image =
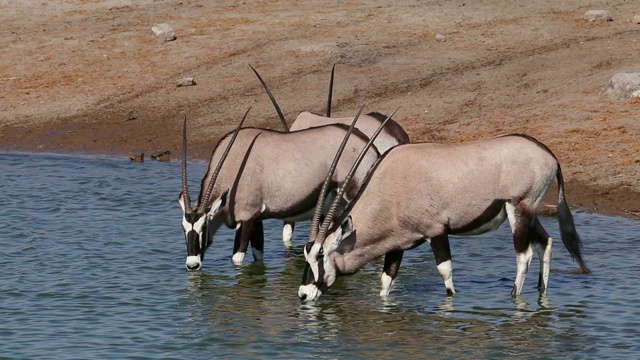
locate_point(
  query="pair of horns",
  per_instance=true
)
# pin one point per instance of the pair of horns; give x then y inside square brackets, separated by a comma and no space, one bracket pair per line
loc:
[185,186]
[275,103]
[318,232]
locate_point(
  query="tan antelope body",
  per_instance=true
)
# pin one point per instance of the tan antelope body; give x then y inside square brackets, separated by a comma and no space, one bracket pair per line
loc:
[426,191]
[392,134]
[269,174]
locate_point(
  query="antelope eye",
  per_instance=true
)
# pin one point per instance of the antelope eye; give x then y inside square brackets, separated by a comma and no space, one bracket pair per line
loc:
[320,254]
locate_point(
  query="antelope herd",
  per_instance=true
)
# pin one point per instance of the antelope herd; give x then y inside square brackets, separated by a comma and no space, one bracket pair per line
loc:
[379,195]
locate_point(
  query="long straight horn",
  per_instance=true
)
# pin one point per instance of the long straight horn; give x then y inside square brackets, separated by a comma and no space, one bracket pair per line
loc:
[334,206]
[214,176]
[272,98]
[333,70]
[185,185]
[315,222]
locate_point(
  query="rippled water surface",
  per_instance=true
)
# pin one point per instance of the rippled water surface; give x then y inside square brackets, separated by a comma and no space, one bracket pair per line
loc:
[92,260]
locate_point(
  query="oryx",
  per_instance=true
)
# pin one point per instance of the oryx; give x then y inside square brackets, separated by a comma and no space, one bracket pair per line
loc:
[426,191]
[391,135]
[266,174]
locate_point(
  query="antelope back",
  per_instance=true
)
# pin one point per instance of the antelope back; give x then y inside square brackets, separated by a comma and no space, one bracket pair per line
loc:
[451,184]
[391,135]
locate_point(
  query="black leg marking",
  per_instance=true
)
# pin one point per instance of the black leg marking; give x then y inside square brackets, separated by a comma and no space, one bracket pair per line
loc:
[522,245]
[243,234]
[442,253]
[390,270]
[392,262]
[540,240]
[257,237]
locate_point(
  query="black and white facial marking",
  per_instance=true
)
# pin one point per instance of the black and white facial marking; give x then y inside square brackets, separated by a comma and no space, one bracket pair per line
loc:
[320,270]
[313,280]
[196,230]
[196,236]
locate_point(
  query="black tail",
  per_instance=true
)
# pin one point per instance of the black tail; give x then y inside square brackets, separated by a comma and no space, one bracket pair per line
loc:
[568,233]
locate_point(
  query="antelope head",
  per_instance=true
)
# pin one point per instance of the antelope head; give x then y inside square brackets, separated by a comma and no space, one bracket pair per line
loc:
[320,270]
[197,220]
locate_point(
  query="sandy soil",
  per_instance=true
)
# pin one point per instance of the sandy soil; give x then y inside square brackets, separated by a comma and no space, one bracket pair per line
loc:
[71,71]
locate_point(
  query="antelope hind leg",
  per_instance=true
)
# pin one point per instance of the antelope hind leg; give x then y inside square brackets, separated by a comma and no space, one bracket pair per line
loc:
[542,244]
[520,220]
[390,270]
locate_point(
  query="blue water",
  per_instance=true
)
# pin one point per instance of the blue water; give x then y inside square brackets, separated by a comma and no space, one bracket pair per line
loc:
[92,259]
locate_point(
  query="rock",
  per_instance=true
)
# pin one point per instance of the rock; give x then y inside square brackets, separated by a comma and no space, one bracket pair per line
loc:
[441,38]
[548,210]
[597,15]
[636,19]
[132,115]
[162,155]
[163,33]
[136,156]
[623,86]
[186,82]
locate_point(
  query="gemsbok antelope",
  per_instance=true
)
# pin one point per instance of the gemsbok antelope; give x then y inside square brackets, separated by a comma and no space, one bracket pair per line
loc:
[426,191]
[266,174]
[391,135]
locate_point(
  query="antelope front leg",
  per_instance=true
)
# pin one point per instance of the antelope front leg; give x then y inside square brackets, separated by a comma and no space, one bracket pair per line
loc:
[442,253]
[241,242]
[392,262]
[257,241]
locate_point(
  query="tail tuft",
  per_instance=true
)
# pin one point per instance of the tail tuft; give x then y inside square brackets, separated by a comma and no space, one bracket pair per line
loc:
[568,232]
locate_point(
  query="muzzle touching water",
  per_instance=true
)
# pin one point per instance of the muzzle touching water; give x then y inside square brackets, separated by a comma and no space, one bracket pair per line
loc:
[195,252]
[311,289]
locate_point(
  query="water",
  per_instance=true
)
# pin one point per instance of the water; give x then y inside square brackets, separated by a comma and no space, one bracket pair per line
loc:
[92,260]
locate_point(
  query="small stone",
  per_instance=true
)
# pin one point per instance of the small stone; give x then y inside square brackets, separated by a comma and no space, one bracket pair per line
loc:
[636,19]
[136,156]
[132,115]
[186,82]
[41,58]
[441,38]
[597,15]
[623,86]
[163,33]
[162,155]
[548,210]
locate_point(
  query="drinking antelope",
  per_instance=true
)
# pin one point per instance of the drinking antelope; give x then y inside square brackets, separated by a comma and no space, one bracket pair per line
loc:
[263,174]
[426,191]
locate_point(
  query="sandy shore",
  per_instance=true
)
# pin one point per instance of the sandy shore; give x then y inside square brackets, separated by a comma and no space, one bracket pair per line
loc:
[73,71]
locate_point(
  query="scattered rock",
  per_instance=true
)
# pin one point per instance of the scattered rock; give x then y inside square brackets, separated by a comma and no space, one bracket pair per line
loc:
[163,33]
[136,156]
[636,19]
[441,38]
[624,86]
[597,15]
[132,115]
[186,82]
[548,210]
[162,155]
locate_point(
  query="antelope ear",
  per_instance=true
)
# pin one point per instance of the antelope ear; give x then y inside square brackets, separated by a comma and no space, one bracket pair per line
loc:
[181,201]
[346,228]
[217,205]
